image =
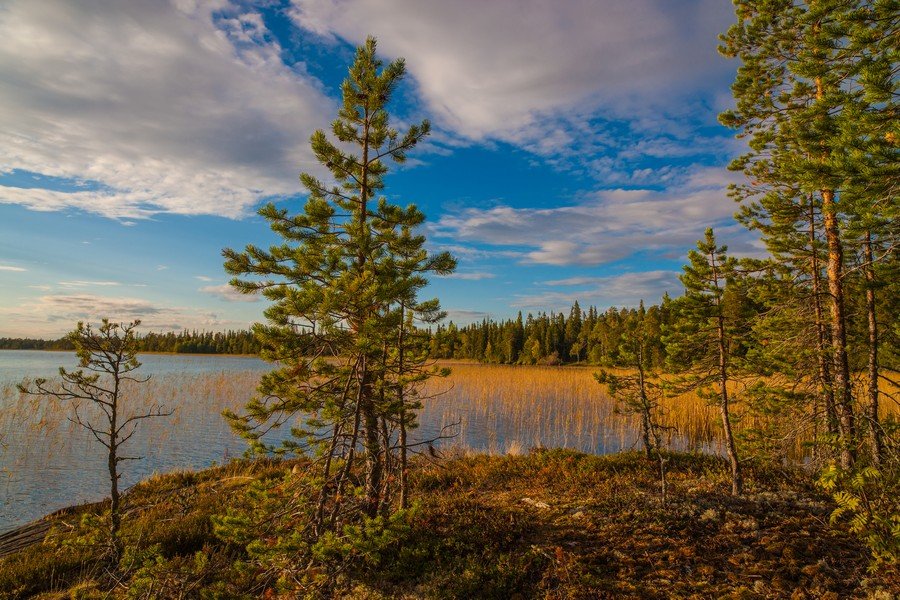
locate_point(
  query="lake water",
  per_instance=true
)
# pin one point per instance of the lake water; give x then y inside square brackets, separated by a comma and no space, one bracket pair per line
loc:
[47,463]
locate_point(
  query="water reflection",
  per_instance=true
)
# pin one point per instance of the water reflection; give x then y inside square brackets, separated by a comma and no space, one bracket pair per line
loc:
[47,463]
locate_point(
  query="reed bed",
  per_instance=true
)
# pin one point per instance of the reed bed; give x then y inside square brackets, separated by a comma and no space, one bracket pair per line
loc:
[505,409]
[47,462]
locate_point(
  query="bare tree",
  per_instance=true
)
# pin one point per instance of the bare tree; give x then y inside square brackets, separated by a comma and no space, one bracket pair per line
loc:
[107,358]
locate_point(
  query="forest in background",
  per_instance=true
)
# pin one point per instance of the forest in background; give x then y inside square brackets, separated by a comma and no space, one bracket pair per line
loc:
[183,342]
[583,336]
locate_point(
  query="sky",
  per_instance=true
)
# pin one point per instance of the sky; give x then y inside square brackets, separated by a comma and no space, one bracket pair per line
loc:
[575,152]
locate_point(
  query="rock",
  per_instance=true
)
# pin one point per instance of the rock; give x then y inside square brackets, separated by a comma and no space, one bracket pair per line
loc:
[536,503]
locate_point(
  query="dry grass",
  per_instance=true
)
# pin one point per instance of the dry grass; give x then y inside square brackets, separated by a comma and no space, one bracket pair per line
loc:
[500,410]
[502,407]
[552,525]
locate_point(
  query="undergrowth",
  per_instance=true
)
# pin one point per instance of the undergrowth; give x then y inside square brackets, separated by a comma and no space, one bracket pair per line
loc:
[549,524]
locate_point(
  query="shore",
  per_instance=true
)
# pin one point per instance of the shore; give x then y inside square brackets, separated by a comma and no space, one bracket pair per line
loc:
[547,524]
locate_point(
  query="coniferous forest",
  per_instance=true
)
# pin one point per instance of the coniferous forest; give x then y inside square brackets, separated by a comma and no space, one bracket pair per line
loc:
[183,342]
[793,355]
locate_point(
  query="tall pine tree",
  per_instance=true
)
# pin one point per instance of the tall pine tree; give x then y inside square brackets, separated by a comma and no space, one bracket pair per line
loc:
[341,285]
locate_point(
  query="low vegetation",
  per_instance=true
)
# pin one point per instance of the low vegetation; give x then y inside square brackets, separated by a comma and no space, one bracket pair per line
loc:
[548,524]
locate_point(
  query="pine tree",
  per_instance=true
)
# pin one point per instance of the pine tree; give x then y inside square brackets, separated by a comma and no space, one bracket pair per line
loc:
[794,98]
[341,286]
[701,342]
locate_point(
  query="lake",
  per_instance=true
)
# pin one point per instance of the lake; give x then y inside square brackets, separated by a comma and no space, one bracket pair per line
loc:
[47,463]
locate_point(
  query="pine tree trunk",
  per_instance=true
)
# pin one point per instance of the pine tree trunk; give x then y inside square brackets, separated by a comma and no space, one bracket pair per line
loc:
[348,464]
[386,467]
[874,423]
[115,517]
[113,466]
[842,392]
[404,485]
[737,482]
[822,349]
[371,441]
[367,402]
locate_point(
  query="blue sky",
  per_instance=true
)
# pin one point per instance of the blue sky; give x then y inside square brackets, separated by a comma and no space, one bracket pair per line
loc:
[575,152]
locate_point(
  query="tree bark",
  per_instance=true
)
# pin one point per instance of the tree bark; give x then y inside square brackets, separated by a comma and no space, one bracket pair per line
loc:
[843,397]
[842,393]
[874,423]
[404,485]
[113,466]
[737,480]
[822,338]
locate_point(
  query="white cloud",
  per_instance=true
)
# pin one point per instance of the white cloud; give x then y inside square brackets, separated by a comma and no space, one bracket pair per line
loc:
[182,107]
[607,225]
[84,284]
[203,278]
[52,315]
[626,289]
[228,293]
[469,276]
[542,74]
[12,268]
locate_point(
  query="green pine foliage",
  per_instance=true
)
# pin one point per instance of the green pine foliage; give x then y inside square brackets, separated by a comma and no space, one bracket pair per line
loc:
[815,95]
[707,339]
[344,296]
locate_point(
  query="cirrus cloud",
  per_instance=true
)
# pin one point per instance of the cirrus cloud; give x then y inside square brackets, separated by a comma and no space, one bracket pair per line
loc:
[626,289]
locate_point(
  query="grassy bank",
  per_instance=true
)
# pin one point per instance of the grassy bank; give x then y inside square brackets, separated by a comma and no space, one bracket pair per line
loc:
[549,524]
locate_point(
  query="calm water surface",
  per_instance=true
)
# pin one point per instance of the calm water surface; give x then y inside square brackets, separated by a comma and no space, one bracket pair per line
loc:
[47,463]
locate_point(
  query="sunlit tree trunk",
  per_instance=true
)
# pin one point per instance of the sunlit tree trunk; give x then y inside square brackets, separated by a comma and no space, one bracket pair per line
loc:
[871,316]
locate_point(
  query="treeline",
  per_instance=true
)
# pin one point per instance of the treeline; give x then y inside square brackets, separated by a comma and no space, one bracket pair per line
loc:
[589,336]
[600,338]
[183,342]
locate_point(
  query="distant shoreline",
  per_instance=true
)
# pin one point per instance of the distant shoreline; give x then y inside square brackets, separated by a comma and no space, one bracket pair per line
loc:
[139,353]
